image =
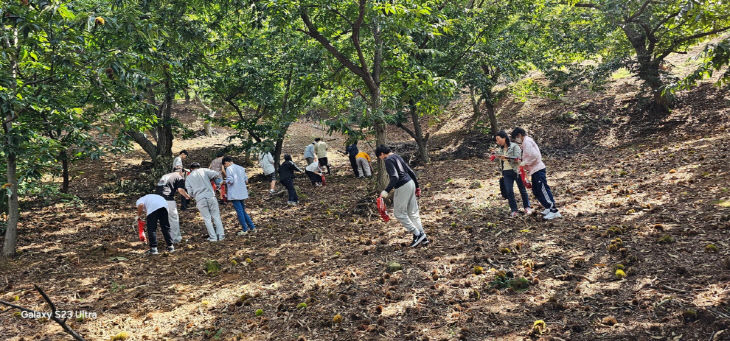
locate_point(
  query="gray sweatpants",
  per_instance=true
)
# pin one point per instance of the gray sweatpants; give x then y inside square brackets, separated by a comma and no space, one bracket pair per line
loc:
[208,208]
[174,218]
[363,167]
[405,208]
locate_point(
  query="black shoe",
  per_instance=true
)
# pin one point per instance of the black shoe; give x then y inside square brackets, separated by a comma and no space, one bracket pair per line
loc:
[425,241]
[417,240]
[152,251]
[171,248]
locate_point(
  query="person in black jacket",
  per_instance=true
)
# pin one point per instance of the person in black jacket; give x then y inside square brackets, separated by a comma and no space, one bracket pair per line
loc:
[286,177]
[351,152]
[405,205]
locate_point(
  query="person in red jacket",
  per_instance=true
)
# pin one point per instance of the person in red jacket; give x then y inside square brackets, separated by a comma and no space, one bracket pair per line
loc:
[532,162]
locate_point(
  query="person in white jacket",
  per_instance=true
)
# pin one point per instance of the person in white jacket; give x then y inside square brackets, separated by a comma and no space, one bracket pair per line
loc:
[532,162]
[266,161]
[197,184]
[236,179]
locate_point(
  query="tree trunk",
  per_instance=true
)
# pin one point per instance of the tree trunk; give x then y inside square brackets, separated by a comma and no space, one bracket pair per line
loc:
[11,232]
[207,125]
[380,138]
[164,142]
[64,164]
[492,117]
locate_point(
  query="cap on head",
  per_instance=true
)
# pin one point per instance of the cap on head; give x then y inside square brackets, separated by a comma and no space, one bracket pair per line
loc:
[194,165]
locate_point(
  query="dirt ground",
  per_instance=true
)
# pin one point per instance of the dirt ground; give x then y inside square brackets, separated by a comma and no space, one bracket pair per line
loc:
[646,196]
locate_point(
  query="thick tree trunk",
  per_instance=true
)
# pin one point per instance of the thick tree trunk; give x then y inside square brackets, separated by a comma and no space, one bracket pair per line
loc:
[64,164]
[492,115]
[164,141]
[380,138]
[421,141]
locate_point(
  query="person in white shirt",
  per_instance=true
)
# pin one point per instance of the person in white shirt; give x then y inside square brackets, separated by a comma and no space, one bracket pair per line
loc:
[197,184]
[154,208]
[236,179]
[314,173]
[266,161]
[178,161]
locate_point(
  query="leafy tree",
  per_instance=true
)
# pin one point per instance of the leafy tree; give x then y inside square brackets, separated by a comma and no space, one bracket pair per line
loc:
[652,30]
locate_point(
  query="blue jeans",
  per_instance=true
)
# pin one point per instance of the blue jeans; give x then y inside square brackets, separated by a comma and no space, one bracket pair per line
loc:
[542,191]
[243,218]
[289,184]
[510,177]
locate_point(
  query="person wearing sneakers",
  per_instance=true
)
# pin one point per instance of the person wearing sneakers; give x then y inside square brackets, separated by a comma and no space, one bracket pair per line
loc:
[168,185]
[363,164]
[508,156]
[286,176]
[154,207]
[532,162]
[266,161]
[351,151]
[198,186]
[405,204]
[236,181]
[217,165]
[314,173]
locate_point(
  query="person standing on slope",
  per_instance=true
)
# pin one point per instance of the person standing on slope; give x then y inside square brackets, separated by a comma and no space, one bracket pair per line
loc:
[286,176]
[508,156]
[236,180]
[320,149]
[266,161]
[168,185]
[405,204]
[198,186]
[532,162]
[154,208]
[309,153]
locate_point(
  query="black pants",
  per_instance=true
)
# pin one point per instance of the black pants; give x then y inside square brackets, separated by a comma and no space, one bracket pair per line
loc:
[160,215]
[323,163]
[353,163]
[510,178]
[289,184]
[314,177]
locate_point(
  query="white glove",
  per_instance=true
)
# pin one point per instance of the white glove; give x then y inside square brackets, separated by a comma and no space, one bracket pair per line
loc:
[383,194]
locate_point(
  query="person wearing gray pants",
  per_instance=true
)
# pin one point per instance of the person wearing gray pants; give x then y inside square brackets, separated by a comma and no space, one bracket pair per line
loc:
[198,186]
[405,204]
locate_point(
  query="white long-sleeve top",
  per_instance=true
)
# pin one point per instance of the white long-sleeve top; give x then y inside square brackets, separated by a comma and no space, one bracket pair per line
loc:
[236,179]
[531,155]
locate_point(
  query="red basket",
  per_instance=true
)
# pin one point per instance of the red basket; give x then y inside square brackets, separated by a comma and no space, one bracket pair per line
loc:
[524,179]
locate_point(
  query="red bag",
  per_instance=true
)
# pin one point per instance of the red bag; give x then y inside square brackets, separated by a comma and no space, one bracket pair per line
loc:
[492,157]
[524,179]
[140,228]
[418,192]
[324,183]
[381,209]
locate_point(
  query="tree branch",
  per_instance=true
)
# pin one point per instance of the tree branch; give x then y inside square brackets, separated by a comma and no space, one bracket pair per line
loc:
[53,316]
[314,33]
[639,12]
[678,42]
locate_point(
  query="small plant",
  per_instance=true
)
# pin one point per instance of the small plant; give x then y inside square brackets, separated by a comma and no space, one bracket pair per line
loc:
[505,250]
[259,312]
[249,260]
[301,305]
[212,268]
[711,248]
[620,274]
[665,239]
[337,318]
[538,328]
[478,270]
[615,231]
[120,337]
[615,245]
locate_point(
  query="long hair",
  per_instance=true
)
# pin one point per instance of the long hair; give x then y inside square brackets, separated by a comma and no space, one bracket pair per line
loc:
[503,135]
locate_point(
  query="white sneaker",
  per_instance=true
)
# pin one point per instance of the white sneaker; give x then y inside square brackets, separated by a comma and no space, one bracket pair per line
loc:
[514,215]
[546,211]
[528,211]
[552,215]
